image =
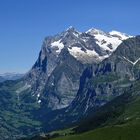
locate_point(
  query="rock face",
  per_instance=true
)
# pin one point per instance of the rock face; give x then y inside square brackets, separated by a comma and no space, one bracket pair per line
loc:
[54,78]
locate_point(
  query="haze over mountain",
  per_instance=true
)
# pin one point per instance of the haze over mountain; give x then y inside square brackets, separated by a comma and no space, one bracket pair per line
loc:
[10,76]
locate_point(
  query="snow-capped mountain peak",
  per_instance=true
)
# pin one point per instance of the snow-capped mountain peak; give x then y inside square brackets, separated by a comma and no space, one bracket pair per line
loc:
[94,31]
[71,28]
[108,41]
[88,47]
[122,36]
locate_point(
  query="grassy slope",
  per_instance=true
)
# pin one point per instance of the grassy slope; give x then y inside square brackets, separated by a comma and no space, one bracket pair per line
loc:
[129,131]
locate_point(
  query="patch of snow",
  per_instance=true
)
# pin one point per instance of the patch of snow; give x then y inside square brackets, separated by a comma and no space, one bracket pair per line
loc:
[87,105]
[39,101]
[80,54]
[122,36]
[76,52]
[133,63]
[128,118]
[69,28]
[103,57]
[104,41]
[94,31]
[38,95]
[72,28]
[85,39]
[76,34]
[58,44]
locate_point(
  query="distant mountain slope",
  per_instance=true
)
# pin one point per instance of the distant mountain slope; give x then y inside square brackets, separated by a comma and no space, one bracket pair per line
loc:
[1,79]
[16,114]
[10,76]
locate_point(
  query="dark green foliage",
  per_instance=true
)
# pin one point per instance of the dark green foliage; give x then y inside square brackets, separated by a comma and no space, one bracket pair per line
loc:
[105,114]
[129,131]
[16,114]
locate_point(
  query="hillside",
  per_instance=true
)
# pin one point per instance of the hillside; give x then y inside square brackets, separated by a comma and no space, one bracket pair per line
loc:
[129,131]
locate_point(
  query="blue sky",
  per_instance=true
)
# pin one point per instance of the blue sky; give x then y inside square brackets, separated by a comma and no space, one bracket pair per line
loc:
[25,23]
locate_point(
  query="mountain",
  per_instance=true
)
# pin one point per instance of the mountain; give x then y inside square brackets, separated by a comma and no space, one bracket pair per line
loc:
[10,76]
[61,61]
[101,83]
[60,90]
